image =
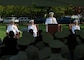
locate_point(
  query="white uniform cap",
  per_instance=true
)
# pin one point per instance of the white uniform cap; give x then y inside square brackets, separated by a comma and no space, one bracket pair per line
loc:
[51,12]
[31,21]
[12,20]
[76,21]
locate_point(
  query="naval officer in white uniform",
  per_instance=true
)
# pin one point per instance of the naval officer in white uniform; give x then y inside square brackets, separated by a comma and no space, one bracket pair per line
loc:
[33,26]
[12,27]
[75,26]
[50,20]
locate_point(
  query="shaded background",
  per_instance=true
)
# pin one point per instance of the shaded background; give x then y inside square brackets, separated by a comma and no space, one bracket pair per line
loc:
[43,2]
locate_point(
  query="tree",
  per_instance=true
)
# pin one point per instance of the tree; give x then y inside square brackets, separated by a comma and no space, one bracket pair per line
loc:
[1,10]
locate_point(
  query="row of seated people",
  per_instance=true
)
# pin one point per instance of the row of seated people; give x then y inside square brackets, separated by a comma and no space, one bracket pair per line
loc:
[13,27]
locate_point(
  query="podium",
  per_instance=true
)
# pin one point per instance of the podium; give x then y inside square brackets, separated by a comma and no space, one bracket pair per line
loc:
[52,28]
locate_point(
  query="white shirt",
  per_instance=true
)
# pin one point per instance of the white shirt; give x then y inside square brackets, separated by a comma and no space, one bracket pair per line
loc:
[51,20]
[12,28]
[34,28]
[75,27]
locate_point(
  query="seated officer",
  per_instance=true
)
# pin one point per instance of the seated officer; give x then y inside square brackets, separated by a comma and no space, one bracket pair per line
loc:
[75,26]
[32,26]
[13,27]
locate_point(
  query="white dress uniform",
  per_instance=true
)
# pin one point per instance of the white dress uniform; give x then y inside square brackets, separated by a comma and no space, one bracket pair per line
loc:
[12,28]
[34,28]
[51,20]
[75,27]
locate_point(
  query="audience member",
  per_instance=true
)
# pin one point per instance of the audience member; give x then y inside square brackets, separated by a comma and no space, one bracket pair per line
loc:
[10,45]
[72,43]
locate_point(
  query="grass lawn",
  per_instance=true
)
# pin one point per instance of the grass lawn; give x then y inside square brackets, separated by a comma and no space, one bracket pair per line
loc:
[2,31]
[41,26]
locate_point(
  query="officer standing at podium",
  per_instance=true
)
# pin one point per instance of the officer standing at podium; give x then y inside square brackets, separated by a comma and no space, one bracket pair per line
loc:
[50,20]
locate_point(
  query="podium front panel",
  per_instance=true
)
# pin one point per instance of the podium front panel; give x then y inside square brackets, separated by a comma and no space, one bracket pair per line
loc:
[52,28]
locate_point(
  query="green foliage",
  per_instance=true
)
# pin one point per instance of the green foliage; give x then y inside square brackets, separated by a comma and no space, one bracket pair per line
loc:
[34,11]
[59,11]
[69,10]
